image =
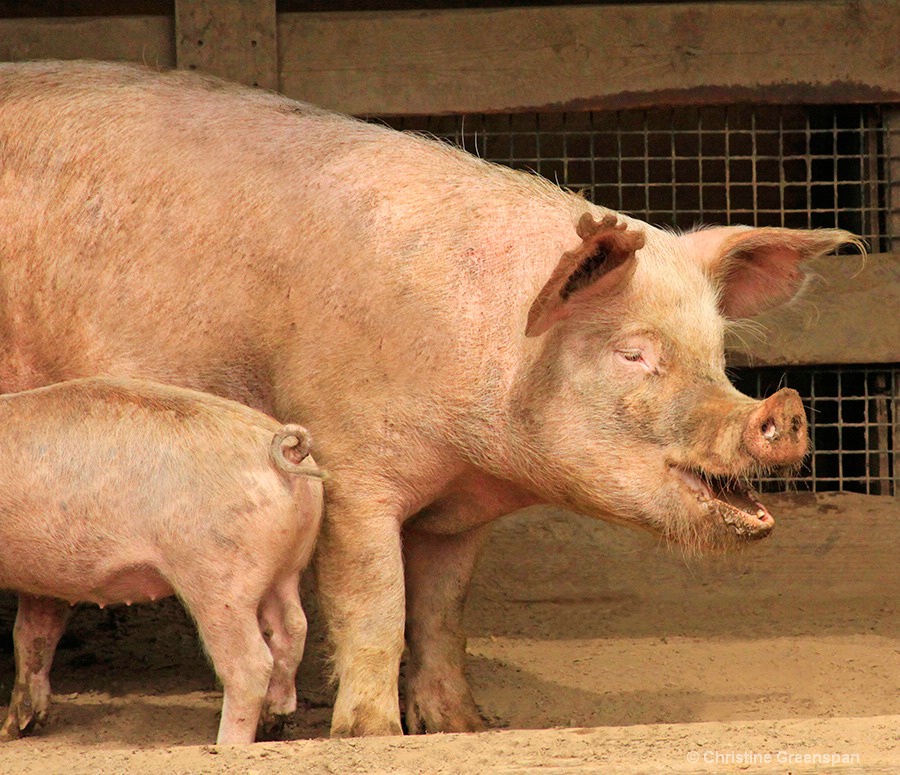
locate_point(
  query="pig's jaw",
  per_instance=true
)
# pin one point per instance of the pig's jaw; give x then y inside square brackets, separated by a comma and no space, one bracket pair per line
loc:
[733,501]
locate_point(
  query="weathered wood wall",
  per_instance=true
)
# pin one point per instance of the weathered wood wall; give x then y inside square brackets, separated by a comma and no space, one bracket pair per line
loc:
[147,39]
[234,39]
[598,57]
[508,59]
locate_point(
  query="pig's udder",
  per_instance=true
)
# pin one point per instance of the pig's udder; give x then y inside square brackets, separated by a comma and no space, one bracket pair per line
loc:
[136,584]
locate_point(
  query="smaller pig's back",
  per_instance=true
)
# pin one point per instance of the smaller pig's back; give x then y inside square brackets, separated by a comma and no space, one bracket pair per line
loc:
[143,394]
[138,414]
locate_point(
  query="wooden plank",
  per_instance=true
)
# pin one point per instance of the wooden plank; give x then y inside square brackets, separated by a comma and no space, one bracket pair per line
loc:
[234,39]
[848,315]
[147,39]
[592,57]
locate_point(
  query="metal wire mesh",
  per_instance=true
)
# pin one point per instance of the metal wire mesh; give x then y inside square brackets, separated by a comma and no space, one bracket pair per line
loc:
[802,167]
[892,167]
[854,424]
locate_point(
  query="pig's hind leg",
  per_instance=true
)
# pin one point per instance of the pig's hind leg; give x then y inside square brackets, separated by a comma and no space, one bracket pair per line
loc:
[229,629]
[40,623]
[283,625]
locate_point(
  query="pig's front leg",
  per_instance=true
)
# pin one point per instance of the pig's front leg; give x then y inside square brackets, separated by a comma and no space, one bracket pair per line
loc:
[359,569]
[40,623]
[438,570]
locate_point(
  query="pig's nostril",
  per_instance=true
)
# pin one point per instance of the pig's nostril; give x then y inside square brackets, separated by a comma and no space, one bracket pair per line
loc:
[768,429]
[775,433]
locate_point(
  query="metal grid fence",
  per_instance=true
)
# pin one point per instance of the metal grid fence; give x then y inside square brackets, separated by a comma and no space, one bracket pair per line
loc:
[854,425]
[801,167]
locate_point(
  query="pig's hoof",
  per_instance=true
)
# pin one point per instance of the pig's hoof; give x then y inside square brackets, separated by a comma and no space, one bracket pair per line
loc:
[9,732]
[465,717]
[19,722]
[271,727]
[10,729]
[440,703]
[363,727]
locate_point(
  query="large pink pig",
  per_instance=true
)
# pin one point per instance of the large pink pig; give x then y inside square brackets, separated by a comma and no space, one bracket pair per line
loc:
[462,339]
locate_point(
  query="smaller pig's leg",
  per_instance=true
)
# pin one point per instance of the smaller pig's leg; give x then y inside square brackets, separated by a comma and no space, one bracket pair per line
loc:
[359,568]
[283,625]
[39,625]
[438,570]
[242,661]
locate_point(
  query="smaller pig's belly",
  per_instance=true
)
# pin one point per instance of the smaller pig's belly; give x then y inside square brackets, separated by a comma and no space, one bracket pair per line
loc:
[139,584]
[131,584]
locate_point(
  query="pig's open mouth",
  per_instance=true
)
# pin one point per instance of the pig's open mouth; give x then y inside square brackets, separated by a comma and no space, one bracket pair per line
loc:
[732,500]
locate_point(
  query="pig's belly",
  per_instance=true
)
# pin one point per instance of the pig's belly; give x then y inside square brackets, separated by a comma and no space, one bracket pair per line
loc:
[130,584]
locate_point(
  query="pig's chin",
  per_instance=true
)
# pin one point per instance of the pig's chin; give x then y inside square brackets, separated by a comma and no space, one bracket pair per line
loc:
[737,514]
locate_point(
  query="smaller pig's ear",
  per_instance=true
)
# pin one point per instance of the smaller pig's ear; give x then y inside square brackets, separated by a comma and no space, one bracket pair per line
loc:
[758,269]
[600,264]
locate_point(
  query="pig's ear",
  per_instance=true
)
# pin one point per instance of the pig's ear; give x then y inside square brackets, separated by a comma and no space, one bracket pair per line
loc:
[758,269]
[604,260]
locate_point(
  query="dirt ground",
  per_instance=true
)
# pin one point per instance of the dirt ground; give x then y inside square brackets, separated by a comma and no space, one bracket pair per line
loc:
[591,647]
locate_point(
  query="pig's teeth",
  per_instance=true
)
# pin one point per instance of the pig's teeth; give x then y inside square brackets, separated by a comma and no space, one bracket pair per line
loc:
[760,513]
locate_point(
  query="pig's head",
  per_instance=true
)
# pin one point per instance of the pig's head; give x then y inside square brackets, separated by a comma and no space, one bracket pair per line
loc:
[626,402]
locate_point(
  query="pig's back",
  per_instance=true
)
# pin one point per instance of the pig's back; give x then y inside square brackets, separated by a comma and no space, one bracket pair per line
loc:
[299,176]
[180,229]
[116,409]
[131,439]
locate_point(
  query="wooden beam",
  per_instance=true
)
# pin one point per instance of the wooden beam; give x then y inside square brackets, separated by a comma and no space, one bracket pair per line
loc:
[507,59]
[234,39]
[850,314]
[592,57]
[147,39]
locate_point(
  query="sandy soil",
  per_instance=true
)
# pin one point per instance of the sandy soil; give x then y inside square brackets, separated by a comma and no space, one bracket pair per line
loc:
[622,651]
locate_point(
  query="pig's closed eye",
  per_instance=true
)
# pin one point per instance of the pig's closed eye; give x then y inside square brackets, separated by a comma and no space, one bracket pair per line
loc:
[643,359]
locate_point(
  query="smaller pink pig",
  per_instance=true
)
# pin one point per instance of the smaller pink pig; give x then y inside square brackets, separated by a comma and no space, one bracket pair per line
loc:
[123,491]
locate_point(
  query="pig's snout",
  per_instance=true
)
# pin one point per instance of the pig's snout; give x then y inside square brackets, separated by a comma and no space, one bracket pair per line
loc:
[775,434]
